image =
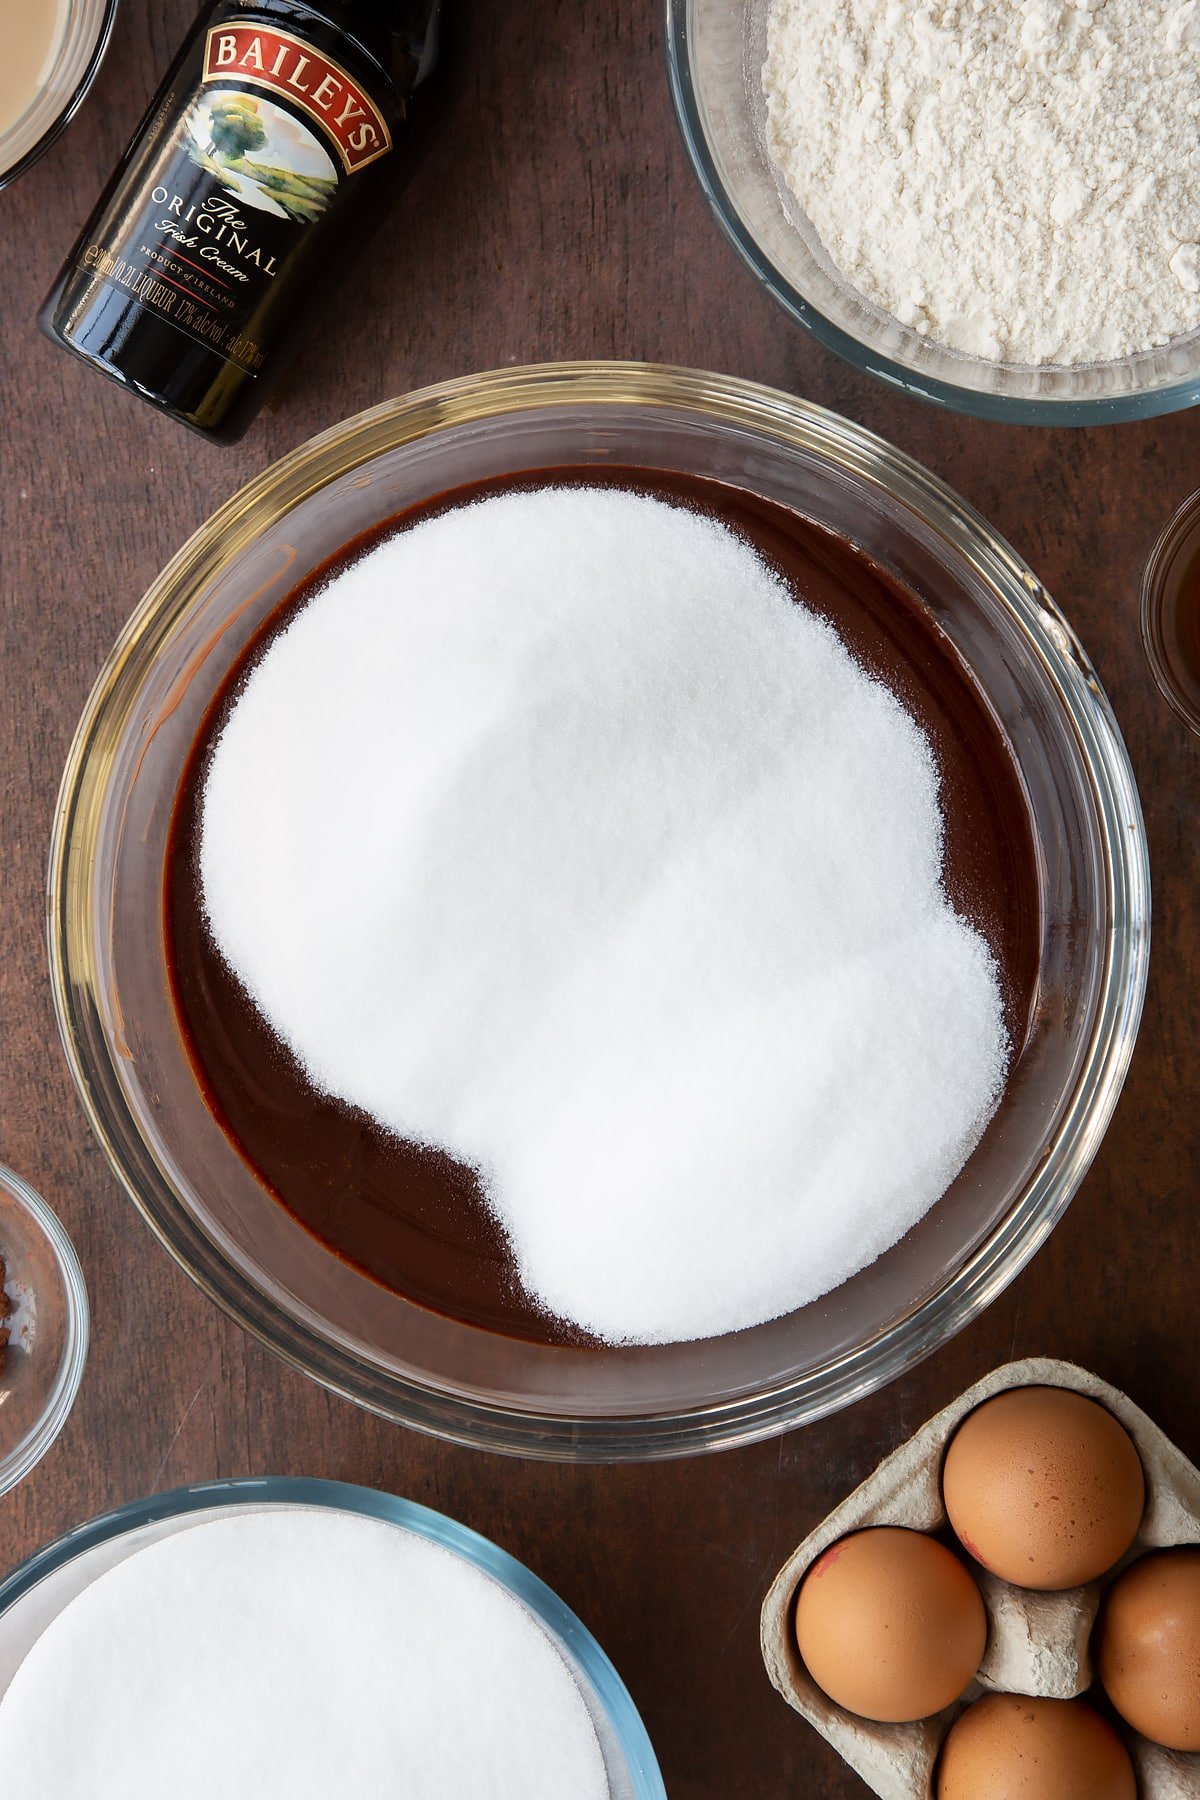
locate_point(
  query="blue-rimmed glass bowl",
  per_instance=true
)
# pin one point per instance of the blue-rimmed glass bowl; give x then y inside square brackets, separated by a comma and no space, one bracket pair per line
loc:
[715,53]
[40,1588]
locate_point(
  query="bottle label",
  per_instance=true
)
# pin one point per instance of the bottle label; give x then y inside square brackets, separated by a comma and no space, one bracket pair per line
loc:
[264,58]
[236,173]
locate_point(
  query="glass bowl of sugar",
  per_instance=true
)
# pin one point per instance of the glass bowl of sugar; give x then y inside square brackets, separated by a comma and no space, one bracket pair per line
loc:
[1002,225]
[513,1694]
[1043,845]
[52,53]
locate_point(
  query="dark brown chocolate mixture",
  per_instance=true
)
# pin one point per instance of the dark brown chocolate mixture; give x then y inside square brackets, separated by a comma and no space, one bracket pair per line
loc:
[414,1219]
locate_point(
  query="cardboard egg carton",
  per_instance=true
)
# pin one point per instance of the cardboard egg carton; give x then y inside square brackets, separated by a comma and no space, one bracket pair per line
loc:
[1038,1643]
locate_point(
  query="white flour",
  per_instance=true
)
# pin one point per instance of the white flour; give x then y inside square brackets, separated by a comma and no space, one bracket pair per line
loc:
[1018,179]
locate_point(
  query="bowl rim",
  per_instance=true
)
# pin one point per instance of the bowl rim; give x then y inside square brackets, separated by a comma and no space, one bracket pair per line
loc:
[25,1455]
[977,403]
[58,124]
[1180,530]
[993,1263]
[481,1552]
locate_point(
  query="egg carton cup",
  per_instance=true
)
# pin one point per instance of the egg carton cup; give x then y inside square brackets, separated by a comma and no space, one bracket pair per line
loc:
[1038,1643]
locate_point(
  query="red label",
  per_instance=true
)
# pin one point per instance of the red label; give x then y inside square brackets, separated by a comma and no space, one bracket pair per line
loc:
[260,57]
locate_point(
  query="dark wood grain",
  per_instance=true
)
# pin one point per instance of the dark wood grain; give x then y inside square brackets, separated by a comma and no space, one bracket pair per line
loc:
[555,217]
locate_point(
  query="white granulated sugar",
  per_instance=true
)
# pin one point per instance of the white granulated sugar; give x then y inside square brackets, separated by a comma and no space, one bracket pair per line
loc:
[297,1653]
[1018,179]
[555,834]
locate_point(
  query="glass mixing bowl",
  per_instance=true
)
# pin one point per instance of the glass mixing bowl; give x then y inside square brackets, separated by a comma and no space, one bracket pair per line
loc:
[715,54]
[1171,612]
[48,1329]
[86,27]
[38,1590]
[119,1026]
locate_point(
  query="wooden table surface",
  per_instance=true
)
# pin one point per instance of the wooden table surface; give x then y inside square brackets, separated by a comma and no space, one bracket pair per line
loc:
[555,217]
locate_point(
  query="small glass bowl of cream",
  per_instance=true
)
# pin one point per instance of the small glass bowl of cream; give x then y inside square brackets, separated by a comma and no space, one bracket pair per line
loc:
[45,1323]
[52,51]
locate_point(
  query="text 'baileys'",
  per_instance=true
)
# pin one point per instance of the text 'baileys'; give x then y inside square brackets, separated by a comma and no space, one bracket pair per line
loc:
[273,130]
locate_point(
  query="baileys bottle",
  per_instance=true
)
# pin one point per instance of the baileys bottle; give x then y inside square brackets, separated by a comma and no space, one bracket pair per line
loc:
[276,127]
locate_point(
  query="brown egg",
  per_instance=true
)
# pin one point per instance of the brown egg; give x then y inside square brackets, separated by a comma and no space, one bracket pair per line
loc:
[890,1624]
[1008,1747]
[1043,1487]
[1148,1648]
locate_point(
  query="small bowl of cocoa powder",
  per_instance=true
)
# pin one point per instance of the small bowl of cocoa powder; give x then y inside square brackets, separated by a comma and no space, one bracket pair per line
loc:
[43,1328]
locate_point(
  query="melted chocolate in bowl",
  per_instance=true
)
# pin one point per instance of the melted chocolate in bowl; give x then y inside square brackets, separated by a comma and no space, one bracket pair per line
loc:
[415,1220]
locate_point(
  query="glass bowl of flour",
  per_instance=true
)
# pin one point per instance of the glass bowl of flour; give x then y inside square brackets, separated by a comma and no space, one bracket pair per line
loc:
[994,208]
[655,1101]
